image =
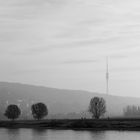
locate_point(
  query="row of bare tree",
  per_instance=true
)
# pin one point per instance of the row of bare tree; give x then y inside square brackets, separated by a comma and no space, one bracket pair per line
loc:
[132,111]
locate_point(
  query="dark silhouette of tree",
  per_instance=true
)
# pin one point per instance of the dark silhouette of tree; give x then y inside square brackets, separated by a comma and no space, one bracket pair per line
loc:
[12,112]
[39,110]
[97,107]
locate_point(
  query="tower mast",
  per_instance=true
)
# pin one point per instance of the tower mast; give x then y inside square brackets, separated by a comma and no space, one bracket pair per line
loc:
[107,76]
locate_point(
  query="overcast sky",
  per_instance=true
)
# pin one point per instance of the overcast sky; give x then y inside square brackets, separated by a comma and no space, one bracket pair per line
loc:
[64,43]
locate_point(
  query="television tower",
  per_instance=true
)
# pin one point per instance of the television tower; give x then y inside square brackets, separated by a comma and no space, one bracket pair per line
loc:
[107,76]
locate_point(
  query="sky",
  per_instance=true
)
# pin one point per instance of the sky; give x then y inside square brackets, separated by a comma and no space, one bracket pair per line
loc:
[64,44]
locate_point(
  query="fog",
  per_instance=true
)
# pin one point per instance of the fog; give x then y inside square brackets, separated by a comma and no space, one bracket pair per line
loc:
[63,44]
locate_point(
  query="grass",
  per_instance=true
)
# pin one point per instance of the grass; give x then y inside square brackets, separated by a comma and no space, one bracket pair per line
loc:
[77,124]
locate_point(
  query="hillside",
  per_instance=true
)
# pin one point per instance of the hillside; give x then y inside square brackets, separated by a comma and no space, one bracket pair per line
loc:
[59,101]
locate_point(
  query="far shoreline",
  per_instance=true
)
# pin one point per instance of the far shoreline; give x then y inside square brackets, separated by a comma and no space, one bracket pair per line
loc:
[119,124]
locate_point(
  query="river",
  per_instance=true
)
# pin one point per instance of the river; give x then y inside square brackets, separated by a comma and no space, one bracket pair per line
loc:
[34,134]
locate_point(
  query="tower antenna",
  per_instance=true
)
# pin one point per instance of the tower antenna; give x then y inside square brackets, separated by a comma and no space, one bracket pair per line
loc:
[107,76]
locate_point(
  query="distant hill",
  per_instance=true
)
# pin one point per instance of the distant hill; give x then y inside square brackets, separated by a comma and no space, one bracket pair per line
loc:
[59,101]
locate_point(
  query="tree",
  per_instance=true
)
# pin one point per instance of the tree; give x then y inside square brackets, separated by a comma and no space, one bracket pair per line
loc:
[97,107]
[12,112]
[39,110]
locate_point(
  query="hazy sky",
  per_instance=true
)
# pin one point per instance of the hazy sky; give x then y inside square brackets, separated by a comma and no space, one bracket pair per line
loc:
[63,44]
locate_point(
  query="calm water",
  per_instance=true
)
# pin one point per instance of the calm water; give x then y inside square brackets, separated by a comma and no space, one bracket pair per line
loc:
[30,134]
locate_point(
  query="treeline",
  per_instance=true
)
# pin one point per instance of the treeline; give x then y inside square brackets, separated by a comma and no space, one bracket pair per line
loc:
[97,108]
[132,111]
[39,111]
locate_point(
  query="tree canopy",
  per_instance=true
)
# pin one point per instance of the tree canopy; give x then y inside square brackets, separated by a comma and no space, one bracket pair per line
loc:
[12,112]
[39,110]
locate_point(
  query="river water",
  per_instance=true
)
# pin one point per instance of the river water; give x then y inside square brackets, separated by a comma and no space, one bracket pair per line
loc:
[34,134]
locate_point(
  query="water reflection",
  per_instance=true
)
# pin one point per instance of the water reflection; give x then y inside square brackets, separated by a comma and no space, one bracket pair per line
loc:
[39,134]
[13,134]
[97,135]
[44,134]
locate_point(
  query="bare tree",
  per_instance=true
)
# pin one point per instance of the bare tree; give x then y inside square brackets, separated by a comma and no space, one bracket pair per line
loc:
[97,107]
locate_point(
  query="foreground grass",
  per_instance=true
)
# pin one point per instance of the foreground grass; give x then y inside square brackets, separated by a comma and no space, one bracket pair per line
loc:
[83,124]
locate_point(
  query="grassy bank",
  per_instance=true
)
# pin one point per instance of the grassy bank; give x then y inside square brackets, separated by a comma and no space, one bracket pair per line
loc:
[83,124]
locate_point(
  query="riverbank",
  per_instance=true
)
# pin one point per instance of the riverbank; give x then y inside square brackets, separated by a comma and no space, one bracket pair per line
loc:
[78,124]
